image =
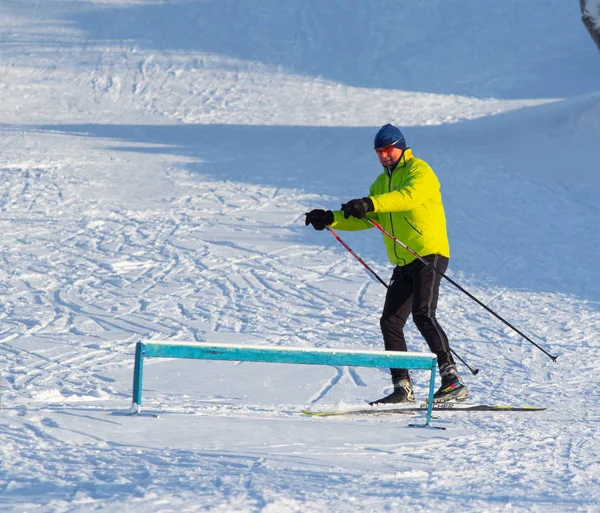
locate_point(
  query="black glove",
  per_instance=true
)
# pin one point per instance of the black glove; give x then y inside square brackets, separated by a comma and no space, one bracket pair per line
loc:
[358,208]
[319,218]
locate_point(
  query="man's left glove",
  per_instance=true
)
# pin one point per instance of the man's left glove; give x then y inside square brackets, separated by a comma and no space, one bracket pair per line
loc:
[319,218]
[358,208]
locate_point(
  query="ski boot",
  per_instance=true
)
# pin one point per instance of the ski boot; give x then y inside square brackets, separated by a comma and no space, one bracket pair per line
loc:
[452,388]
[403,393]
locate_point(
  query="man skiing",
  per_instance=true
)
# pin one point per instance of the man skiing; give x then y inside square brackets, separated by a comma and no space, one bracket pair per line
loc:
[405,200]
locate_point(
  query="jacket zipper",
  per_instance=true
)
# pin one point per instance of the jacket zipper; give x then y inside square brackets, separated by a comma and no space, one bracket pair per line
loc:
[391,219]
[409,224]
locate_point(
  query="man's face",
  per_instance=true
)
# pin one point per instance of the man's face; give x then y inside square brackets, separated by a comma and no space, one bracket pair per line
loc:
[388,155]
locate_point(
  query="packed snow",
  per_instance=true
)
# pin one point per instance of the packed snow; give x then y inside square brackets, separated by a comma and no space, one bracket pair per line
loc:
[157,160]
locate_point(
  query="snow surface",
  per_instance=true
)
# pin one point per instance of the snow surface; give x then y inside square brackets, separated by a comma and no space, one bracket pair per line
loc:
[157,159]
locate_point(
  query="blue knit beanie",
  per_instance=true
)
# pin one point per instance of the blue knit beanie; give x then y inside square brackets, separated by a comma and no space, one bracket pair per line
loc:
[389,135]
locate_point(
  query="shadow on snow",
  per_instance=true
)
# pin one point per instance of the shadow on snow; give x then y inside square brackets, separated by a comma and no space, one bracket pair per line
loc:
[509,223]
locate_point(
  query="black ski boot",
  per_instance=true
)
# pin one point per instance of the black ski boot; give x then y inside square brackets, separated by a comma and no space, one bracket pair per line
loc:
[403,393]
[452,388]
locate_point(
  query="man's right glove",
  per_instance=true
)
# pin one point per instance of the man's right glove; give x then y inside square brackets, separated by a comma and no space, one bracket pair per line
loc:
[319,218]
[358,208]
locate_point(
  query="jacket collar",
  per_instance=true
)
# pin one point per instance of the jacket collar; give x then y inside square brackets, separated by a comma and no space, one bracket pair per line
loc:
[407,156]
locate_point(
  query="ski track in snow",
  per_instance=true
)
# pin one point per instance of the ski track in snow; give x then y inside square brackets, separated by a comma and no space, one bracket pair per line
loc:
[155,191]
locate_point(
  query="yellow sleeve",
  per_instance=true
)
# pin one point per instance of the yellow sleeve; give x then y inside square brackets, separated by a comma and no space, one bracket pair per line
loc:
[352,224]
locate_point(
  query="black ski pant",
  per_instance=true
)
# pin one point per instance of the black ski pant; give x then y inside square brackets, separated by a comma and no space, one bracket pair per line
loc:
[414,288]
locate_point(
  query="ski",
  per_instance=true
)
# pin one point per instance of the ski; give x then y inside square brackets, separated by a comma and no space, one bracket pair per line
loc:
[365,411]
[411,410]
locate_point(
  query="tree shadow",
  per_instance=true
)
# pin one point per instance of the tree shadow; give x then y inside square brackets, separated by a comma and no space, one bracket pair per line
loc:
[471,48]
[322,160]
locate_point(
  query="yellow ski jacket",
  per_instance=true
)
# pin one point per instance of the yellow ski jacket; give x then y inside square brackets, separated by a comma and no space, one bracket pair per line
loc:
[408,204]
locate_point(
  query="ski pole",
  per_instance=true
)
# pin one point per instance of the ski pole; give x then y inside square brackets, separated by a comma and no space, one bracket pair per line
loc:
[473,371]
[416,255]
[356,256]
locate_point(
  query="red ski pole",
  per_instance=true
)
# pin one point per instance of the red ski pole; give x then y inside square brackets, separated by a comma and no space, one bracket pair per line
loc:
[356,256]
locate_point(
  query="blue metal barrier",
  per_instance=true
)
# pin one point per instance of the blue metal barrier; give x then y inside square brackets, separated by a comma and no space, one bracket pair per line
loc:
[276,354]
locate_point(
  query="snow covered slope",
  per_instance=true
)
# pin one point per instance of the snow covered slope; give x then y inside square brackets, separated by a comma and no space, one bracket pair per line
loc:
[157,159]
